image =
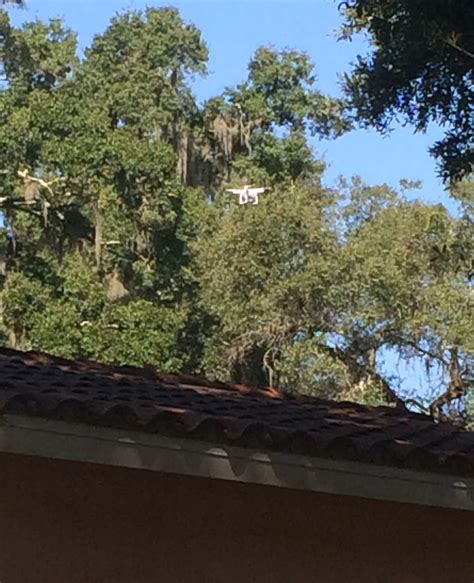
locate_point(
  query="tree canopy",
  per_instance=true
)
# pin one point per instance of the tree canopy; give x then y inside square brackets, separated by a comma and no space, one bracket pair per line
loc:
[120,243]
[420,66]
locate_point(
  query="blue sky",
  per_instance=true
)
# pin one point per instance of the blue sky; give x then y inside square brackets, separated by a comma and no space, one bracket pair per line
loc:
[233,29]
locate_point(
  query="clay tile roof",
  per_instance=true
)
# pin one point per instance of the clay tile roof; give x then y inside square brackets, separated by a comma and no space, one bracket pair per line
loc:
[36,384]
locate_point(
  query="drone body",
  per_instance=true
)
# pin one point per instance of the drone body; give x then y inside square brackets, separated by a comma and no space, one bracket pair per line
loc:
[247,194]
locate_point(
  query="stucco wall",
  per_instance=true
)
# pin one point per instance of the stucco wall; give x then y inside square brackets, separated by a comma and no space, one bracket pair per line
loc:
[76,523]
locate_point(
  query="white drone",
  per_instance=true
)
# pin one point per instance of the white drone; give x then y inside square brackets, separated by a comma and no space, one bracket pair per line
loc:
[247,193]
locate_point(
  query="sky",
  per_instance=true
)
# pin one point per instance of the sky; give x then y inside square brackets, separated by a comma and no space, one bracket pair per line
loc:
[233,30]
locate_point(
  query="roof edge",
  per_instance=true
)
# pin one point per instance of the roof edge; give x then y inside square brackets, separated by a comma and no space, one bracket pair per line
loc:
[131,449]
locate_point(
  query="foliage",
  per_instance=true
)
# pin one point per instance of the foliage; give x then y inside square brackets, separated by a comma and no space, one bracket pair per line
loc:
[105,230]
[121,244]
[310,304]
[420,66]
[242,128]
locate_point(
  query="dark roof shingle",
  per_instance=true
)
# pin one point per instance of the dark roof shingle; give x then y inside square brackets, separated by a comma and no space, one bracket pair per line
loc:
[37,384]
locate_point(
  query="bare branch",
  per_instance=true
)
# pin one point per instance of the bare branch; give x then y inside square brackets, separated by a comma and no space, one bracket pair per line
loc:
[425,352]
[462,50]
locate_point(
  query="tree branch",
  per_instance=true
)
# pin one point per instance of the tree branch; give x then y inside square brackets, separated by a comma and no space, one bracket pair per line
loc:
[19,205]
[360,370]
[460,49]
[424,351]
[456,387]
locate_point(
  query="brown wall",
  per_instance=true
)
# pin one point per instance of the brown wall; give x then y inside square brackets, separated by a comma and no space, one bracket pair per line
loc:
[77,523]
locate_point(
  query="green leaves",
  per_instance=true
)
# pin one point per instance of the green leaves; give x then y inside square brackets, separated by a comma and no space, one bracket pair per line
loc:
[139,66]
[309,289]
[285,81]
[100,265]
[37,56]
[420,66]
[123,246]
[137,333]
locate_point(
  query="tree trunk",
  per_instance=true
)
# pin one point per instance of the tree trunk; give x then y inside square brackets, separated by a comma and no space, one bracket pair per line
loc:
[98,226]
[250,370]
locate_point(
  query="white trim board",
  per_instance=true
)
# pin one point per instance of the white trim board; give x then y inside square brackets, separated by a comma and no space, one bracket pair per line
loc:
[133,449]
